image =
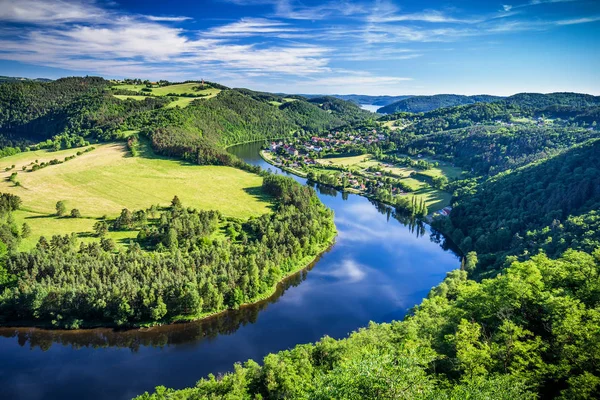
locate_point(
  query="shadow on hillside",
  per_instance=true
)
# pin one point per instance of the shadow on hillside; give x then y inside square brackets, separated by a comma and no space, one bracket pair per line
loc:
[258,194]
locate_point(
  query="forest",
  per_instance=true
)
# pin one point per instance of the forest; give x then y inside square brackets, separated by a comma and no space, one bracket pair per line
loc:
[418,104]
[519,320]
[176,269]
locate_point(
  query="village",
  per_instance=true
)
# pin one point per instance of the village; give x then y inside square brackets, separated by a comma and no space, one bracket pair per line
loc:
[346,161]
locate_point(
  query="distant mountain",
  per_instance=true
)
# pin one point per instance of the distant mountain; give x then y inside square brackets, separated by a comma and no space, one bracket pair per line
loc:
[4,79]
[363,99]
[559,99]
[417,104]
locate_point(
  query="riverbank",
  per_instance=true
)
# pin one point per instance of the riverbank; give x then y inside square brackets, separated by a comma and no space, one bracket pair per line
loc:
[267,158]
[303,264]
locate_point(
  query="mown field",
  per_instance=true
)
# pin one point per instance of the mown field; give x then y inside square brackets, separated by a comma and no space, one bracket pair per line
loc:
[178,89]
[434,198]
[104,181]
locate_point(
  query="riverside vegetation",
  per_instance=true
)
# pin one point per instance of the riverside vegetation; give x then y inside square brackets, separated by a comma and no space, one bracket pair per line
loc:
[521,319]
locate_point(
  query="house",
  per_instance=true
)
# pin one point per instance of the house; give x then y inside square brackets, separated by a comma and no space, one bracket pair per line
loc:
[445,211]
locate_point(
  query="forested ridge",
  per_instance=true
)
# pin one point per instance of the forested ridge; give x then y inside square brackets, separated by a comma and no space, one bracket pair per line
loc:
[36,111]
[417,104]
[557,101]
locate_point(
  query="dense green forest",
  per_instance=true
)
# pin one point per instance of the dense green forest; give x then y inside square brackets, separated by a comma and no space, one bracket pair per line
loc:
[366,99]
[184,272]
[492,149]
[504,214]
[418,104]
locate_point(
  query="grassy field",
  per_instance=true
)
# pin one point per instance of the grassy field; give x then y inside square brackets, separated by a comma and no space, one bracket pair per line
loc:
[179,89]
[434,198]
[344,161]
[126,96]
[182,102]
[48,225]
[107,179]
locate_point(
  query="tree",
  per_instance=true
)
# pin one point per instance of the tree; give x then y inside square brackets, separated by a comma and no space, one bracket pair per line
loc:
[160,310]
[100,227]
[107,244]
[471,261]
[176,203]
[25,230]
[61,208]
[75,213]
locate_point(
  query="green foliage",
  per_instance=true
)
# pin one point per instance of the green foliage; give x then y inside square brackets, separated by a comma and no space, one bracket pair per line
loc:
[418,104]
[61,208]
[522,210]
[191,273]
[492,149]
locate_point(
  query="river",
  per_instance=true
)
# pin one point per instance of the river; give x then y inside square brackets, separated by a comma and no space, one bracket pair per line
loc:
[378,269]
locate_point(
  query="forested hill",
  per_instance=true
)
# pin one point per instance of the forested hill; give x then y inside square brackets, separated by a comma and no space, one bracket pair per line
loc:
[71,108]
[4,79]
[364,99]
[502,215]
[417,104]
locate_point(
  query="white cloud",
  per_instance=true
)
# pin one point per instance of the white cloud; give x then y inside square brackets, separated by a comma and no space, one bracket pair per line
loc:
[250,27]
[166,19]
[123,44]
[347,270]
[50,11]
[576,21]
[293,9]
[536,3]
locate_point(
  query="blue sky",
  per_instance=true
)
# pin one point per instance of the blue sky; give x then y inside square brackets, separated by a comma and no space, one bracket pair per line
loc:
[368,47]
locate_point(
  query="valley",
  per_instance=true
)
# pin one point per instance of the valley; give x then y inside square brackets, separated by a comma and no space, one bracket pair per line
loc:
[122,217]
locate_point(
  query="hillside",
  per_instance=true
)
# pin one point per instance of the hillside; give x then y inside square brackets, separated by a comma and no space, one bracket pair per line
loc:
[364,99]
[529,329]
[4,79]
[92,108]
[418,104]
[496,218]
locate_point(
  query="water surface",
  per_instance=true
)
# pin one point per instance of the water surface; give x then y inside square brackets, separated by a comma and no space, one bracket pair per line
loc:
[370,107]
[377,270]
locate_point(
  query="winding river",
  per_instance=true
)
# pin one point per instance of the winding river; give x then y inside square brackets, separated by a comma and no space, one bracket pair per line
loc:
[378,269]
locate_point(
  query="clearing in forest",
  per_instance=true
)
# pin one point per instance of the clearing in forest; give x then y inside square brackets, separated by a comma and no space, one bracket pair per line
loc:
[181,89]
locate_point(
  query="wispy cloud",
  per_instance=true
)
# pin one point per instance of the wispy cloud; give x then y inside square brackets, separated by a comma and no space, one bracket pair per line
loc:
[575,21]
[250,27]
[166,19]
[389,12]
[509,7]
[291,9]
[323,46]
[50,11]
[114,43]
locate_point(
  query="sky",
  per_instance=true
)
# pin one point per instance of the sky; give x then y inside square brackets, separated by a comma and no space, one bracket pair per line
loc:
[376,47]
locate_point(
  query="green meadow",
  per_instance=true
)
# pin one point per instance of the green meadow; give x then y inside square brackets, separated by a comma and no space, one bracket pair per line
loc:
[181,89]
[107,179]
[417,180]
